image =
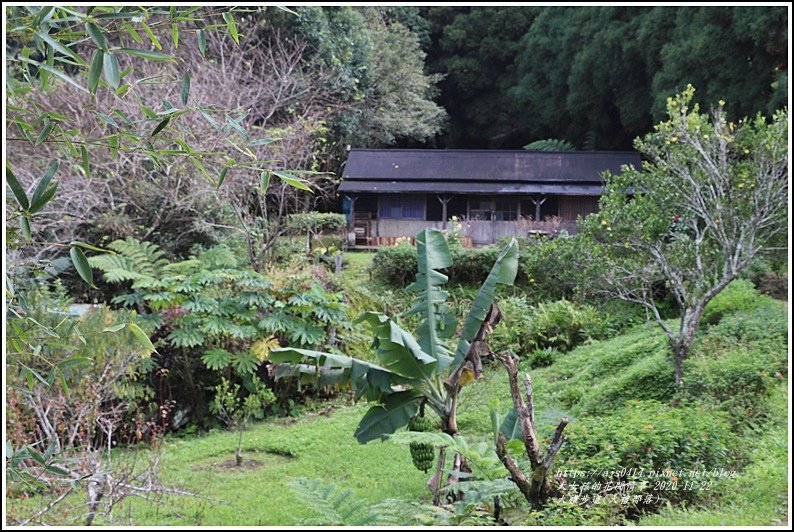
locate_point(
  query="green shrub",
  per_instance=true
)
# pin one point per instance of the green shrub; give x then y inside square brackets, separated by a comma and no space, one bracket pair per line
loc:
[512,333]
[758,495]
[603,375]
[620,316]
[649,378]
[739,360]
[540,358]
[471,265]
[738,381]
[549,268]
[563,325]
[315,222]
[763,326]
[662,442]
[737,296]
[395,265]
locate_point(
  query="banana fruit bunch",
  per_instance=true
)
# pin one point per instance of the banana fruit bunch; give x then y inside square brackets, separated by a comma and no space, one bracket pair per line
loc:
[422,454]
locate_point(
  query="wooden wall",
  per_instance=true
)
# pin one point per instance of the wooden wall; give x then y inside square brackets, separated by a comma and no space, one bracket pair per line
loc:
[572,206]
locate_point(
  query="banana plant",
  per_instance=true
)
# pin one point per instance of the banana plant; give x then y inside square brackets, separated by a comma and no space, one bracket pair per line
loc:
[413,371]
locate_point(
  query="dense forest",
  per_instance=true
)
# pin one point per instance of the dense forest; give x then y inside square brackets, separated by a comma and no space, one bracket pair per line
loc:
[596,76]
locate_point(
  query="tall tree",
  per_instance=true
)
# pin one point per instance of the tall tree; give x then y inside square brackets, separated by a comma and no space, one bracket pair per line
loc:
[594,76]
[376,56]
[475,49]
[711,197]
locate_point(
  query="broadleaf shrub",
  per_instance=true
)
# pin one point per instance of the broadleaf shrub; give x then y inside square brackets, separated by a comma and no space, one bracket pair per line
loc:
[737,362]
[564,325]
[395,265]
[603,375]
[739,295]
[663,442]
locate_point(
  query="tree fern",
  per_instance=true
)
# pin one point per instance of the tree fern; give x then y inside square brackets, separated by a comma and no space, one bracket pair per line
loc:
[340,507]
[218,257]
[550,145]
[134,260]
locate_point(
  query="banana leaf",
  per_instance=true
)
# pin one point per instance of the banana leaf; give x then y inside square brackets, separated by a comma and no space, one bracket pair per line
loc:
[383,419]
[503,272]
[432,255]
[397,349]
[368,380]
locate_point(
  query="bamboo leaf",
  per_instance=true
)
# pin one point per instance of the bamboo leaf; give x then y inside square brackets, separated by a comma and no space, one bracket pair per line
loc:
[74,361]
[292,180]
[222,176]
[59,47]
[201,39]
[142,337]
[111,69]
[16,188]
[44,181]
[146,54]
[92,248]
[45,132]
[45,197]
[160,126]
[152,36]
[86,165]
[97,35]
[113,143]
[231,25]
[81,265]
[185,87]
[53,71]
[134,34]
[95,70]
[24,223]
[175,34]
[264,181]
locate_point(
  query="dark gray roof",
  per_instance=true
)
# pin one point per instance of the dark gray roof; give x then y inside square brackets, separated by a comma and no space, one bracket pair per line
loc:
[471,187]
[481,171]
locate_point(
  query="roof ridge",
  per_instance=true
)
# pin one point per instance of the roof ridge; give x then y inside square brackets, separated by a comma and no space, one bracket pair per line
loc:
[482,150]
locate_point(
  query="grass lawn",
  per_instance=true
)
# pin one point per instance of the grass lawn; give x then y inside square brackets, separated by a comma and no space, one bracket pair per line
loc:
[314,446]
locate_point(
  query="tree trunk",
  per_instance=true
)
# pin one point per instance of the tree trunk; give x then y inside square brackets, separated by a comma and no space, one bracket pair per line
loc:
[538,487]
[680,355]
[682,344]
[239,456]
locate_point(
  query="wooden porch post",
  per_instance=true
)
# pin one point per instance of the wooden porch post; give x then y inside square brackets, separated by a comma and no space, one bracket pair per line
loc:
[352,199]
[537,207]
[444,199]
[352,224]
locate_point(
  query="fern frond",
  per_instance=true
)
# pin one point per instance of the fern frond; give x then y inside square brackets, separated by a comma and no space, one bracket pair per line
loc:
[333,506]
[550,145]
[218,257]
[134,260]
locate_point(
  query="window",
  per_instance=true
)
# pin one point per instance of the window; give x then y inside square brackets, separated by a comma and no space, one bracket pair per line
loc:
[505,209]
[402,206]
[480,208]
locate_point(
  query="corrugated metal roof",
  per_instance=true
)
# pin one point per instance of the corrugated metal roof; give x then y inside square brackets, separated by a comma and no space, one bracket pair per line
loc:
[476,166]
[471,187]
